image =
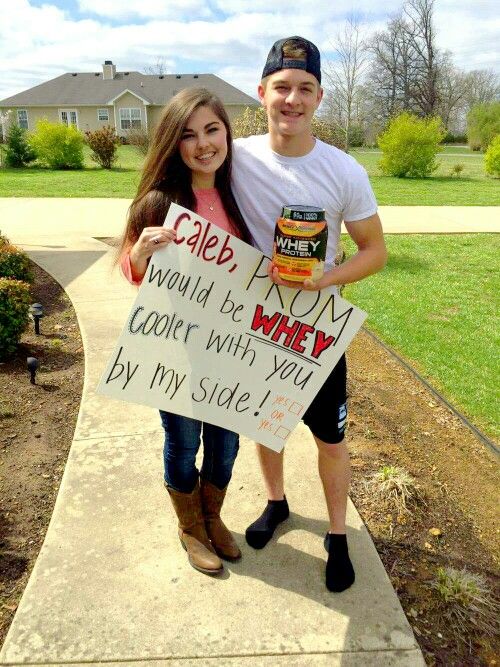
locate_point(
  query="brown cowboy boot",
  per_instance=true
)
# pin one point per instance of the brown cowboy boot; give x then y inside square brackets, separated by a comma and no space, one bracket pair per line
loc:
[212,499]
[192,532]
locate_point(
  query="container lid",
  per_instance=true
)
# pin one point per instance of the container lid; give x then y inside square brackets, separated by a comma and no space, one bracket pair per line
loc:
[302,213]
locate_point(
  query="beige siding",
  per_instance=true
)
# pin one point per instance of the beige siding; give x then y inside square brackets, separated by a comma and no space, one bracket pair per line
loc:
[88,119]
[154,115]
[233,110]
[87,116]
[129,101]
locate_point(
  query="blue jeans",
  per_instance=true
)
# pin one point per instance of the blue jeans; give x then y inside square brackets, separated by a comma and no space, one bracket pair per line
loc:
[182,442]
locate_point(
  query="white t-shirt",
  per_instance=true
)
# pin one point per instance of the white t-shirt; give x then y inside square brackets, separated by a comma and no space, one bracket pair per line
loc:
[264,181]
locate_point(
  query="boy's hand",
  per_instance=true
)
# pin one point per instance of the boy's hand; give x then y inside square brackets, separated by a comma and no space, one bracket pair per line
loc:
[308,284]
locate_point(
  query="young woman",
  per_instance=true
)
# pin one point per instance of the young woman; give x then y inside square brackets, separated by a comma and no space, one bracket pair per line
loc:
[189,162]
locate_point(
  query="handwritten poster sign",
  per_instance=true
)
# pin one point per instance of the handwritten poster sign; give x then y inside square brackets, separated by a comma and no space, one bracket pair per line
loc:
[211,337]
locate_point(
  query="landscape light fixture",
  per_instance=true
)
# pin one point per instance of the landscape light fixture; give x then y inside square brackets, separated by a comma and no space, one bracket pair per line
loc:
[36,310]
[32,364]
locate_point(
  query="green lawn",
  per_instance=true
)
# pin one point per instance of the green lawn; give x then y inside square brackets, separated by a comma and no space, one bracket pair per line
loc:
[121,181]
[437,303]
[473,188]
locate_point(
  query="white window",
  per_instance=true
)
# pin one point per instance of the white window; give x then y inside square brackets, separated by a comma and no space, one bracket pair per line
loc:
[102,114]
[22,118]
[130,118]
[69,117]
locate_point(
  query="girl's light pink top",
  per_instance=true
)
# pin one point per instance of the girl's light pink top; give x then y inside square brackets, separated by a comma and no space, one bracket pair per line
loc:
[205,201]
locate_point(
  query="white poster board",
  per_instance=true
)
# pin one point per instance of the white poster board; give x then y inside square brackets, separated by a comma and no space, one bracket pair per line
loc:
[211,337]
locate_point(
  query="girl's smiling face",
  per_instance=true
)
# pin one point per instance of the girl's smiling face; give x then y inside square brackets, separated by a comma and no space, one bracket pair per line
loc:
[203,146]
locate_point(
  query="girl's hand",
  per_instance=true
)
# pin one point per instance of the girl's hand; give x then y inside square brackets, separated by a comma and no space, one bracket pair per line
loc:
[151,239]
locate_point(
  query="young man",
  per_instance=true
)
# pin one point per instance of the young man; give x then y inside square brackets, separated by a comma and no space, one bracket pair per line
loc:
[289,166]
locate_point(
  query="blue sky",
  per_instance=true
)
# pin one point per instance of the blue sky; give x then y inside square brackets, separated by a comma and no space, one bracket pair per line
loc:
[40,39]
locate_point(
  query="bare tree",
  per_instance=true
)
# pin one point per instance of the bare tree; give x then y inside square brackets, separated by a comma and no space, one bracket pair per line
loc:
[483,85]
[405,70]
[392,69]
[452,85]
[419,25]
[160,67]
[344,76]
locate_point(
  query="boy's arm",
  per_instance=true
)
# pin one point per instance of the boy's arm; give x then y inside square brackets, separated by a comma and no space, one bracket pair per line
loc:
[370,258]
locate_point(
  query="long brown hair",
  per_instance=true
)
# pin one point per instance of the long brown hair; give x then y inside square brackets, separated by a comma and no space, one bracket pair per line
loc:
[165,178]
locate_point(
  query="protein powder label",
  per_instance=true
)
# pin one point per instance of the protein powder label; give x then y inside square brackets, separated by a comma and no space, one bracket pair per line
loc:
[300,241]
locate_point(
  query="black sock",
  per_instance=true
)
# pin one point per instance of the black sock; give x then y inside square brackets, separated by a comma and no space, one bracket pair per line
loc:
[339,569]
[260,532]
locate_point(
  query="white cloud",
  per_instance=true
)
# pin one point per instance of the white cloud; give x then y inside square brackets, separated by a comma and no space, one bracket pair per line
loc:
[39,43]
[118,9]
[470,33]
[244,78]
[321,8]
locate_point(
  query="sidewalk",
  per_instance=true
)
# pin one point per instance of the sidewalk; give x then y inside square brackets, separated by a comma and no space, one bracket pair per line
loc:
[112,583]
[104,217]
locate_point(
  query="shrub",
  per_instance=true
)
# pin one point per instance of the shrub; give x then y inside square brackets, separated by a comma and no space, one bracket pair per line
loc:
[356,136]
[467,601]
[139,138]
[14,313]
[103,143]
[457,170]
[18,152]
[483,124]
[450,138]
[14,263]
[327,132]
[57,146]
[409,146]
[396,486]
[492,157]
[251,121]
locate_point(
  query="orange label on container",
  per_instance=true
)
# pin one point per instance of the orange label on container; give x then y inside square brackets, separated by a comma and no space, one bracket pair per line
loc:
[300,249]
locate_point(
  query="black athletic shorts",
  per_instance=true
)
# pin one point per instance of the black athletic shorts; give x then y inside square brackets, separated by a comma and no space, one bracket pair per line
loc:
[327,414]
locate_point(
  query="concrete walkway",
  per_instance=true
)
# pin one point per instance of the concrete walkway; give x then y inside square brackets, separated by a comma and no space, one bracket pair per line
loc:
[111,583]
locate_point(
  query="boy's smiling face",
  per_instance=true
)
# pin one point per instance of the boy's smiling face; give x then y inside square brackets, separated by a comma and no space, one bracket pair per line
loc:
[290,97]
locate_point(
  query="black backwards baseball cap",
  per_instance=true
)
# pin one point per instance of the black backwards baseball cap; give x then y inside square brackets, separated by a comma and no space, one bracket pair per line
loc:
[276,61]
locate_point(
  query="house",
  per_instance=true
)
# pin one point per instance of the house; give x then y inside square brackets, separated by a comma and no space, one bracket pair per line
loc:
[123,100]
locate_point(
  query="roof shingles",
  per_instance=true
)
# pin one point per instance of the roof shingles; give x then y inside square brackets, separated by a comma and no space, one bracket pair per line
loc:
[91,89]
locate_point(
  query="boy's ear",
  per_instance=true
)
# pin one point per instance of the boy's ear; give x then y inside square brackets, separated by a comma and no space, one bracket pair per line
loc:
[261,91]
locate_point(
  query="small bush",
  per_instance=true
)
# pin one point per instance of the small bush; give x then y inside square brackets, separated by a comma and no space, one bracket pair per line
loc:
[410,145]
[356,136]
[251,121]
[457,170]
[103,143]
[450,138]
[14,314]
[139,138]
[18,152]
[57,146]
[395,485]
[14,263]
[327,132]
[492,158]
[466,601]
[483,124]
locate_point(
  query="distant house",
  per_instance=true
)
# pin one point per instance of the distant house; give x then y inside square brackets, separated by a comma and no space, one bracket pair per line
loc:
[123,100]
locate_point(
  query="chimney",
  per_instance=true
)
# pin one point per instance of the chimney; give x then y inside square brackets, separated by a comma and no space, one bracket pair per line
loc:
[108,70]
